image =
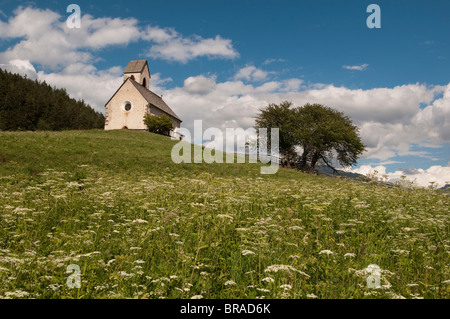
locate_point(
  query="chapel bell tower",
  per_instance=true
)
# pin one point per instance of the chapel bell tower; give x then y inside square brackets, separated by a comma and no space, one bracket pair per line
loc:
[138,71]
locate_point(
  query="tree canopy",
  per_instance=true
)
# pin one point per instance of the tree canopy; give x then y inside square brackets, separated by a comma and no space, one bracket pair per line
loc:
[319,132]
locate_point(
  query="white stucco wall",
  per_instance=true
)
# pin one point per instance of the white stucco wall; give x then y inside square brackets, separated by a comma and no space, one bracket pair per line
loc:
[116,116]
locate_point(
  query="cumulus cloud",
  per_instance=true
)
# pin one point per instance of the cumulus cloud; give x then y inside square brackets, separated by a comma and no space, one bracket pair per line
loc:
[361,67]
[391,120]
[434,120]
[439,175]
[171,45]
[86,82]
[44,39]
[22,67]
[199,84]
[251,73]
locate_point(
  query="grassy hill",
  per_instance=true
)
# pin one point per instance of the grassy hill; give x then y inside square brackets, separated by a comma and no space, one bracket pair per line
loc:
[140,226]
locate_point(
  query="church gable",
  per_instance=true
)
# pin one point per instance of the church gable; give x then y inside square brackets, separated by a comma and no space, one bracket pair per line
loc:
[126,109]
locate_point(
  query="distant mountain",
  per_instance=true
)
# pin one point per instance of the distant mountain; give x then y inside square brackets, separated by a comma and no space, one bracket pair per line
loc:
[27,105]
[445,188]
[325,170]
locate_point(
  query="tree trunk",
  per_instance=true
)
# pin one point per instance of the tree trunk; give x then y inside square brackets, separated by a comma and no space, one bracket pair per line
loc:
[304,159]
[315,158]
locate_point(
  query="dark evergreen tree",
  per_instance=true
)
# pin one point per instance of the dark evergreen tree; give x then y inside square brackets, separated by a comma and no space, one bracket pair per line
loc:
[32,105]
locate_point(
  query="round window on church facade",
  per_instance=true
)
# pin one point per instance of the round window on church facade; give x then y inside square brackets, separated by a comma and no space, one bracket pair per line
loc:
[128,107]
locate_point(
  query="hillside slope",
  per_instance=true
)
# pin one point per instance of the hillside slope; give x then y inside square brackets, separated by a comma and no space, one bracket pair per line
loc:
[139,225]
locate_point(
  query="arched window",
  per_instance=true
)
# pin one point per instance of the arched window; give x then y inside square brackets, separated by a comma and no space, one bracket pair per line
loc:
[144,83]
[132,77]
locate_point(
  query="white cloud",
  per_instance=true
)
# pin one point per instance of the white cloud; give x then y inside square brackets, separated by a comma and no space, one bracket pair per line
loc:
[361,67]
[86,82]
[44,39]
[171,45]
[97,33]
[22,67]
[270,61]
[440,175]
[199,84]
[251,73]
[388,117]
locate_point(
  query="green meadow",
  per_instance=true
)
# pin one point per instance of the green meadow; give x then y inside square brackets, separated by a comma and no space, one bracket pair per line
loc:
[140,226]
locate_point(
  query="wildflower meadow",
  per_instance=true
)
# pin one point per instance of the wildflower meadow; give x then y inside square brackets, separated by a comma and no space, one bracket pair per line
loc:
[140,226]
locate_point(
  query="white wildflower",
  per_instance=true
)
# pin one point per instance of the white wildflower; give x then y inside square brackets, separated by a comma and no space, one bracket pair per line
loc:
[16,294]
[263,290]
[140,221]
[225,216]
[230,283]
[246,252]
[276,268]
[74,185]
[125,274]
[54,287]
[268,279]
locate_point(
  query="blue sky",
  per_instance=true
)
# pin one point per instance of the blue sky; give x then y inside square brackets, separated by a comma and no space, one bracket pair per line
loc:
[221,61]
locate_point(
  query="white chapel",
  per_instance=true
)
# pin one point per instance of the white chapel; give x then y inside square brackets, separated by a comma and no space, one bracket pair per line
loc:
[133,99]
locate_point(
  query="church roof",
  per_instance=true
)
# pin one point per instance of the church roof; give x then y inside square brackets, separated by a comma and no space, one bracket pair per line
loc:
[135,66]
[154,99]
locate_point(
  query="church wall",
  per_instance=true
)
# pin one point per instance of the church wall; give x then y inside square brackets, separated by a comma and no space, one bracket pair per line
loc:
[158,112]
[116,115]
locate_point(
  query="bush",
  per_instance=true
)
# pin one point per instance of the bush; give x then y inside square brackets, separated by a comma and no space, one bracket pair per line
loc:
[158,124]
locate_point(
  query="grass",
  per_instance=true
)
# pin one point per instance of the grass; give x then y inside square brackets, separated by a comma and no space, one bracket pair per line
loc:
[140,226]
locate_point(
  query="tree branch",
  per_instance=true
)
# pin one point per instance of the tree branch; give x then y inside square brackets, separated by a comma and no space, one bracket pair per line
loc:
[326,162]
